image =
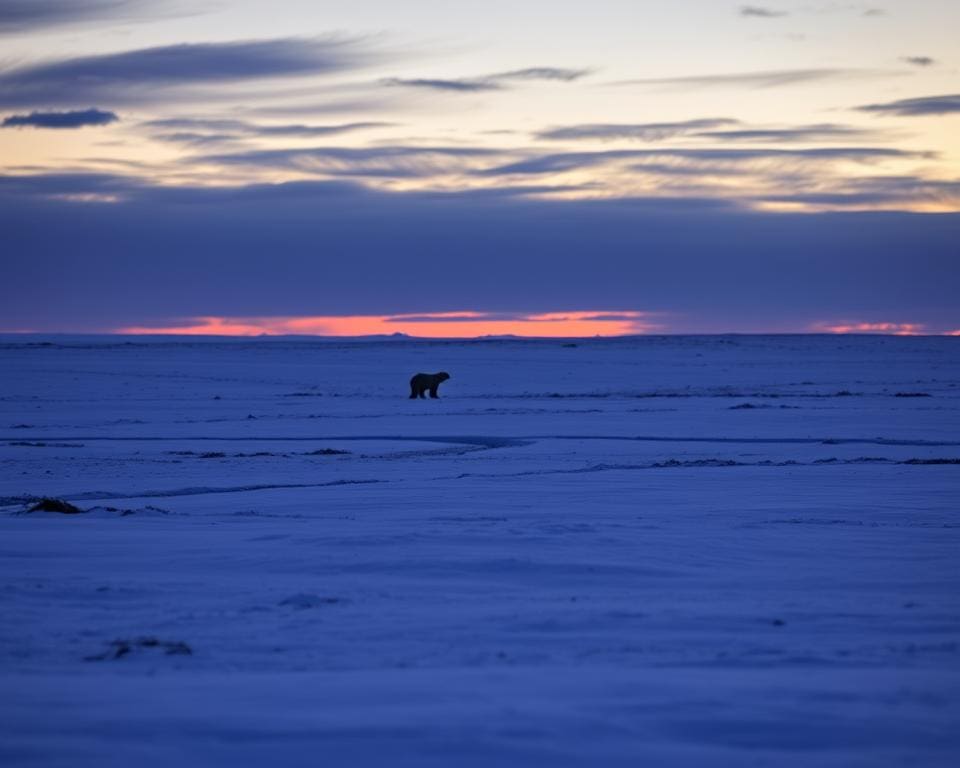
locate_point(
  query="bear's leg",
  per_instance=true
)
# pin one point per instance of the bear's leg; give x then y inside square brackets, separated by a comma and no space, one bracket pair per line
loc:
[413,392]
[422,391]
[433,391]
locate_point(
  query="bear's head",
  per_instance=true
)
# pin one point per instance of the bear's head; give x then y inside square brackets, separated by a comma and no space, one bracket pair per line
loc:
[443,376]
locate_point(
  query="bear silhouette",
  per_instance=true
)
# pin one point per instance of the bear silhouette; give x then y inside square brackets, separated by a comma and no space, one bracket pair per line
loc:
[420,383]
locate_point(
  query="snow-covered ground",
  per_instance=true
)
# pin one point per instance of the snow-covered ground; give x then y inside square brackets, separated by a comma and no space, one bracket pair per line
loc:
[703,551]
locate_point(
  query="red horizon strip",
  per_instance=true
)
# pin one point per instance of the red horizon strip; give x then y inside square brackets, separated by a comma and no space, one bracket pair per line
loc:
[471,324]
[434,325]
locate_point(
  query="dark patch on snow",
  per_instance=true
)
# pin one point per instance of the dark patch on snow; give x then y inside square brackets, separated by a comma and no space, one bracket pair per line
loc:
[222,455]
[55,505]
[913,394]
[305,600]
[326,452]
[686,393]
[122,512]
[696,463]
[752,406]
[203,490]
[120,648]
[66,508]
[817,521]
[27,444]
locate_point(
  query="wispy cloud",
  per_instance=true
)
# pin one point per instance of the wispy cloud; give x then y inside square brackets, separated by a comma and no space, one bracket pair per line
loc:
[774,78]
[542,73]
[22,15]
[760,12]
[569,161]
[918,107]
[199,131]
[637,131]
[73,119]
[436,84]
[804,133]
[495,82]
[714,129]
[380,161]
[919,61]
[821,9]
[876,193]
[147,74]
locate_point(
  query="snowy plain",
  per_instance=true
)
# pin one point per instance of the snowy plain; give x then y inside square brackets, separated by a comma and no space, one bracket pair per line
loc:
[664,551]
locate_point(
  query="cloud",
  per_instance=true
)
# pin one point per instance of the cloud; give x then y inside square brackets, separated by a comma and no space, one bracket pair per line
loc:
[638,131]
[21,15]
[200,131]
[464,86]
[285,250]
[775,78]
[74,119]
[877,192]
[542,73]
[381,161]
[494,82]
[802,133]
[715,129]
[918,107]
[89,187]
[568,161]
[919,61]
[147,74]
[756,11]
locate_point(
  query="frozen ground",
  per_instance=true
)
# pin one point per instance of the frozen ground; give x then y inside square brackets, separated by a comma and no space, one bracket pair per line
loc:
[663,551]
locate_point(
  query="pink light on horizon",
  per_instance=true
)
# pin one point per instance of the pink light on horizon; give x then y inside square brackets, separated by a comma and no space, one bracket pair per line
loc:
[893,329]
[465,324]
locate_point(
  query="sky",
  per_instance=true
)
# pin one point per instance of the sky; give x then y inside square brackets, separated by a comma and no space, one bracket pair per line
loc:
[455,170]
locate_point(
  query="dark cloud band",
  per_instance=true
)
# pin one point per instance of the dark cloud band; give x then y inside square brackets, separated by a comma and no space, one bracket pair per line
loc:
[919,107]
[74,119]
[22,15]
[141,76]
[640,131]
[354,251]
[494,82]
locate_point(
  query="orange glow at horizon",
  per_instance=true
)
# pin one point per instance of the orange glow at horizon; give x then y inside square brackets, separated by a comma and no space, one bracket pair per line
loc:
[431,325]
[893,329]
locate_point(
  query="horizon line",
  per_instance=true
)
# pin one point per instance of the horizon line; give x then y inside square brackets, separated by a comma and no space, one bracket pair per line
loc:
[185,337]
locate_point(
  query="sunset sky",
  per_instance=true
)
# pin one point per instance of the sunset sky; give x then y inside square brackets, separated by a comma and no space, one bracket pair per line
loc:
[538,168]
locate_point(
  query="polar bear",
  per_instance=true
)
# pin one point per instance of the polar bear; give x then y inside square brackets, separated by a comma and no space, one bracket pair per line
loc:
[420,383]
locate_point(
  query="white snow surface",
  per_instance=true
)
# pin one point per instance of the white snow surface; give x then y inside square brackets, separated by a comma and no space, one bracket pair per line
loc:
[676,551]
